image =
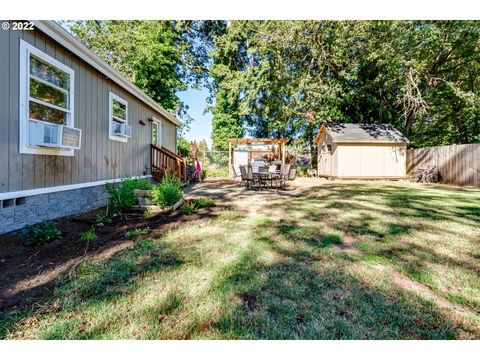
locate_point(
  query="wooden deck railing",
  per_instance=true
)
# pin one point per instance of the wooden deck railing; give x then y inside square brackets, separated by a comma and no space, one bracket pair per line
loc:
[162,160]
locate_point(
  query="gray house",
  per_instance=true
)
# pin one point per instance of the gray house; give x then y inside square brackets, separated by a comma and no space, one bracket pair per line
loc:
[69,124]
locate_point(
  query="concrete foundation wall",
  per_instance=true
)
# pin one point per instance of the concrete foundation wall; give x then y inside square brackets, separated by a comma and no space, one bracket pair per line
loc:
[18,213]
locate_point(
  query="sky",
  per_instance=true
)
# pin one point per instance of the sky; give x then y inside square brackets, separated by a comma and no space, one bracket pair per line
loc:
[201,125]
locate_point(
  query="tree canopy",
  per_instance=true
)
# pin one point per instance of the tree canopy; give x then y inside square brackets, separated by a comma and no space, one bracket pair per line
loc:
[286,78]
[160,57]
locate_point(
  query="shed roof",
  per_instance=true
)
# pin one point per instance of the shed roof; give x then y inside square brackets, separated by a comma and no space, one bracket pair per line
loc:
[362,133]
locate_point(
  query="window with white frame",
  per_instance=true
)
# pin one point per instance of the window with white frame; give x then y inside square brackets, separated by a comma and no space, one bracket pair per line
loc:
[46,104]
[119,129]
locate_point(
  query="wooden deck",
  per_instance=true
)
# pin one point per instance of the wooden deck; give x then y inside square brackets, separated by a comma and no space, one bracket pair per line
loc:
[163,160]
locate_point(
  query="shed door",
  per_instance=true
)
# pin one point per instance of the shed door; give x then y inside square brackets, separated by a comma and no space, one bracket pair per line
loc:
[325,160]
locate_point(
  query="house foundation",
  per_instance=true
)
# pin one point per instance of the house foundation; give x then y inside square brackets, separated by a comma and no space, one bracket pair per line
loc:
[23,211]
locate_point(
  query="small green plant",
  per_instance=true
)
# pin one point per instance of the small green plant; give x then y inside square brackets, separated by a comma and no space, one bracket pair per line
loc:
[89,236]
[168,191]
[103,219]
[148,214]
[302,170]
[188,208]
[136,232]
[204,202]
[40,234]
[204,174]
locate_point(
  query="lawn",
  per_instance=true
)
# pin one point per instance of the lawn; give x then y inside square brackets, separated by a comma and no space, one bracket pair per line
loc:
[329,260]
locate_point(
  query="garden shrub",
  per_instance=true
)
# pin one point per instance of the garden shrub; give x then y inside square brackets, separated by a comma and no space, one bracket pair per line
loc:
[89,236]
[183,147]
[122,195]
[168,191]
[148,214]
[40,234]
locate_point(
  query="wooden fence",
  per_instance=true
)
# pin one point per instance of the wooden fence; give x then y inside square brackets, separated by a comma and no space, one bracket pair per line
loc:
[457,164]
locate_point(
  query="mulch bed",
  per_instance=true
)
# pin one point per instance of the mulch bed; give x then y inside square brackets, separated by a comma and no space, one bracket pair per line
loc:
[29,274]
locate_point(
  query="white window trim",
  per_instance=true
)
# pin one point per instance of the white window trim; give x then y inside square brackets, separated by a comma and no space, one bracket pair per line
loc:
[159,130]
[111,136]
[24,148]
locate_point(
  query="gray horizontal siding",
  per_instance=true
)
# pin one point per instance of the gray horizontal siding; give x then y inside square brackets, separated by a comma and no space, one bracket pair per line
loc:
[99,158]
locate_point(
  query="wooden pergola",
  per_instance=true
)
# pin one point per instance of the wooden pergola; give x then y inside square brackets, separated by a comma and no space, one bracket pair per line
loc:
[256,141]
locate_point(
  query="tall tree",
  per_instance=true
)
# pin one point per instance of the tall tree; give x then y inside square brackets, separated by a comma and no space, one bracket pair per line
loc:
[160,57]
[285,78]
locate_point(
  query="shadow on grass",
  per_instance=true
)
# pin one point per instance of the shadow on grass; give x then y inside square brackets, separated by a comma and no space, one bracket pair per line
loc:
[290,281]
[295,299]
[412,229]
[95,283]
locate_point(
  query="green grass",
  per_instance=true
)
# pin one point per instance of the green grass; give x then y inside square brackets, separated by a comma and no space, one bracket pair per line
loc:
[339,261]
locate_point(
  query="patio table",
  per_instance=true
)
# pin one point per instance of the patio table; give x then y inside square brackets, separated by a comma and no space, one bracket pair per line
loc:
[266,176]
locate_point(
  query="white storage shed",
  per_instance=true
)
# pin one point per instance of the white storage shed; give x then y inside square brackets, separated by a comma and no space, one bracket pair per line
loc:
[372,151]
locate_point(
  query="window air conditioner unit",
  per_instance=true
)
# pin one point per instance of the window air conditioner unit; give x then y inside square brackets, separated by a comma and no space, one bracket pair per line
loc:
[53,135]
[122,130]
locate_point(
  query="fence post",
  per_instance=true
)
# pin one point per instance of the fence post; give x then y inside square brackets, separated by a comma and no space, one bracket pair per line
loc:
[230,159]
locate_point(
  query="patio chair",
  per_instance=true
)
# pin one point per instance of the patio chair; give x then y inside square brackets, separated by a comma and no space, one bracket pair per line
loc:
[252,180]
[284,168]
[292,173]
[244,175]
[284,174]
[235,175]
